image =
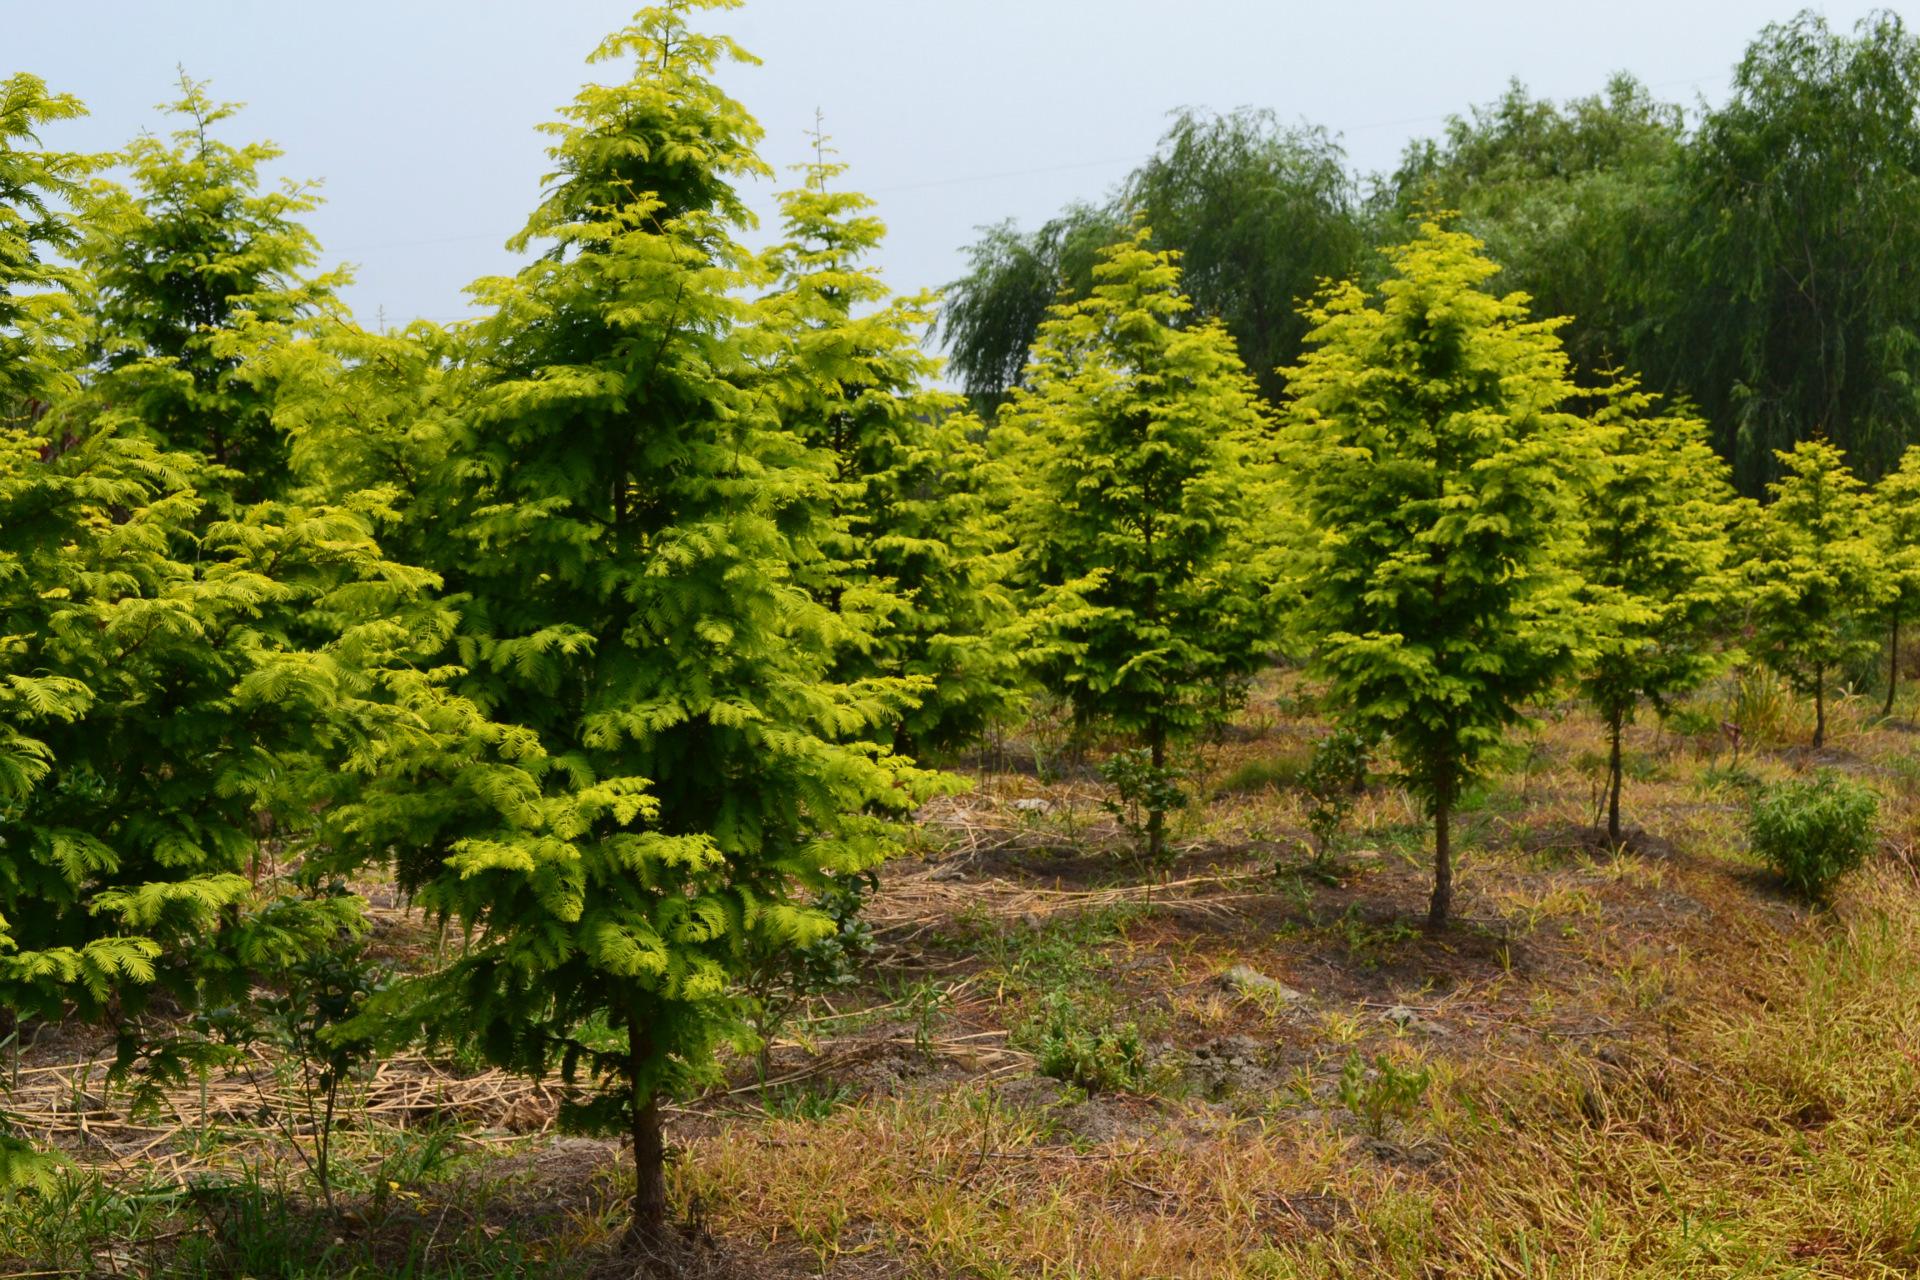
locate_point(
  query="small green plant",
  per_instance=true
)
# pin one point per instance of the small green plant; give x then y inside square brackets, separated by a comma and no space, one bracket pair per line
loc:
[807,1100]
[1063,954]
[1334,777]
[1369,944]
[1760,707]
[312,1013]
[1814,831]
[1734,777]
[1382,1092]
[783,977]
[1050,735]
[926,1003]
[1078,1047]
[1143,792]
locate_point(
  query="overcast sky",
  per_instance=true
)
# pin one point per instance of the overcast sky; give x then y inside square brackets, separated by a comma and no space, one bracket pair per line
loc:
[419,114]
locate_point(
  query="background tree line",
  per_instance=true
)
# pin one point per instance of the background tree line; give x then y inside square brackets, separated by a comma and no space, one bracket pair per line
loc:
[1755,259]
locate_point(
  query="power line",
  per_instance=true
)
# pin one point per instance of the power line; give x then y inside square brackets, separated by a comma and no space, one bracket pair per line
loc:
[1133,158]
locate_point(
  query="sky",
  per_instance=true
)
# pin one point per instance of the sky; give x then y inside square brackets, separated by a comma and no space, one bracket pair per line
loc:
[418,116]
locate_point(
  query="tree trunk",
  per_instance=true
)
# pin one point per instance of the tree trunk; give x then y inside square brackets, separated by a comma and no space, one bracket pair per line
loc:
[1819,707]
[1893,668]
[1615,724]
[1156,817]
[648,1230]
[1442,904]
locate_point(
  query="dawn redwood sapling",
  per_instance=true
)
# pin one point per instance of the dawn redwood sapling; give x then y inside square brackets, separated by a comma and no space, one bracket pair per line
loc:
[1655,562]
[189,266]
[1437,469]
[1132,441]
[631,536]
[176,671]
[1896,500]
[925,555]
[1819,580]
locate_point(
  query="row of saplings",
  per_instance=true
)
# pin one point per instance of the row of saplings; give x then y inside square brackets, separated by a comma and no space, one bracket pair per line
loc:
[1810,830]
[611,624]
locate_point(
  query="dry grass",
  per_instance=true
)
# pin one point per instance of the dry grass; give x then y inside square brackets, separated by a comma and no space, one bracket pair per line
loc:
[1639,1062]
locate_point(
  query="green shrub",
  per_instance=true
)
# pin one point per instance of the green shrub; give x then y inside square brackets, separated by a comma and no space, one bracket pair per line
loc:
[1144,793]
[1074,1046]
[1383,1091]
[1815,831]
[1335,776]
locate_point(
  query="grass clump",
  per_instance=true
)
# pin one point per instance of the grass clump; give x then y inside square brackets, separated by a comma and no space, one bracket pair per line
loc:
[1264,773]
[1814,831]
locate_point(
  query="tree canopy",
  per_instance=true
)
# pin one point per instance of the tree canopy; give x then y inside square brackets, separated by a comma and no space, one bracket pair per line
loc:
[1437,466]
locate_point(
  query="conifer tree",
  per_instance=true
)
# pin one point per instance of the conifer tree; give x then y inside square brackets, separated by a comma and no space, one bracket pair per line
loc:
[923,560]
[1654,560]
[172,680]
[1436,469]
[629,533]
[196,252]
[1819,580]
[1897,524]
[1131,439]
[37,314]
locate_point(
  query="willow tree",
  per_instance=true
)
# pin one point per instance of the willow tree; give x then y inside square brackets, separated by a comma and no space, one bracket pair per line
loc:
[1566,196]
[1780,285]
[1819,579]
[923,557]
[629,532]
[1131,439]
[1654,561]
[1258,210]
[1437,468]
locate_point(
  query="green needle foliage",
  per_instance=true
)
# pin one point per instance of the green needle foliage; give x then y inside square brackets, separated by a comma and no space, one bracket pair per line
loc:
[922,566]
[1438,471]
[1131,438]
[1896,522]
[181,677]
[1819,580]
[160,717]
[38,324]
[631,535]
[1655,560]
[176,264]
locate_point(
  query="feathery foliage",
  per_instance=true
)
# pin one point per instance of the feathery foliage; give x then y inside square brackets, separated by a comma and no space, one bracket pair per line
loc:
[38,324]
[1438,471]
[1896,524]
[188,268]
[922,566]
[1818,580]
[1132,441]
[667,775]
[1654,562]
